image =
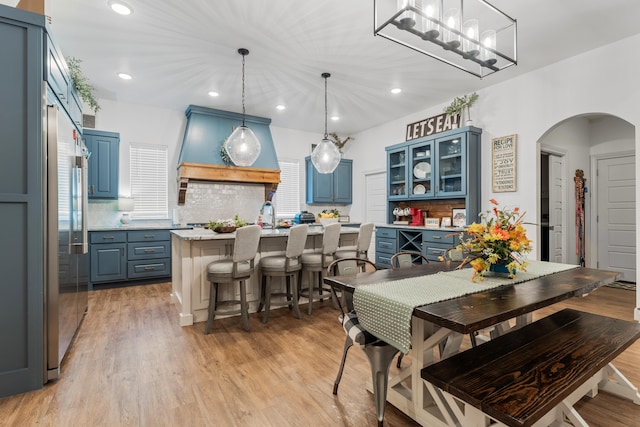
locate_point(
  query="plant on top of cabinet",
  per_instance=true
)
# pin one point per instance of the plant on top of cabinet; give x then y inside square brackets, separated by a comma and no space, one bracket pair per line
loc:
[460,104]
[340,143]
[81,84]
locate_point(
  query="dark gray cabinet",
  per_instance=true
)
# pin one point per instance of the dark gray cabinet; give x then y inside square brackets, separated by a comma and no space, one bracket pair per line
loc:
[330,188]
[431,243]
[119,256]
[386,245]
[103,163]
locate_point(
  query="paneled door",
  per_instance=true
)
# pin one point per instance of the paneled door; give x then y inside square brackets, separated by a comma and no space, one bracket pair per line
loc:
[616,215]
[556,210]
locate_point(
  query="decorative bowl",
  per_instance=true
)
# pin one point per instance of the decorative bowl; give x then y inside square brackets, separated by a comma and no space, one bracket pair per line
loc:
[225,229]
[326,221]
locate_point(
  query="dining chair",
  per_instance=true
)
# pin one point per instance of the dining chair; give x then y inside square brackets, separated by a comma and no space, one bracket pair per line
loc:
[362,247]
[379,353]
[235,270]
[287,266]
[405,259]
[314,264]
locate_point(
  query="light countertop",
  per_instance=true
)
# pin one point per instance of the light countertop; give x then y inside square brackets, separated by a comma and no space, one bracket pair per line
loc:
[206,234]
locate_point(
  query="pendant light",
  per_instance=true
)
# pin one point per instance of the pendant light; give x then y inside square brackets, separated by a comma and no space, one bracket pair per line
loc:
[242,145]
[325,156]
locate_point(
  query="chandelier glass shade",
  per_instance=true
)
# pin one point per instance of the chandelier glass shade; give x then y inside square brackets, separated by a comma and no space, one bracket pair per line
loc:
[471,35]
[243,146]
[326,156]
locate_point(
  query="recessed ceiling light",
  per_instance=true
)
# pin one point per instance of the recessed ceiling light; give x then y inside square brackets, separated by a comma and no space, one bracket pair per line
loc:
[335,118]
[124,76]
[214,93]
[396,90]
[120,7]
[281,107]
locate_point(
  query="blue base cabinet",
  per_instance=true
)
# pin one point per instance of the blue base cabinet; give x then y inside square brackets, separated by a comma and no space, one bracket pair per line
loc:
[103,163]
[329,188]
[122,256]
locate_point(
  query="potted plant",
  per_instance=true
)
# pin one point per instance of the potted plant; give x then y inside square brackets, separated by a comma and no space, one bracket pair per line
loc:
[81,84]
[460,104]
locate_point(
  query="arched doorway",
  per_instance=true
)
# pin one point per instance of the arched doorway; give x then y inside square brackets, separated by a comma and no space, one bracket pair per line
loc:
[603,146]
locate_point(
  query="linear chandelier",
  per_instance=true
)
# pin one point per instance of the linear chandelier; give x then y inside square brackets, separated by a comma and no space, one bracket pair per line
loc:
[471,35]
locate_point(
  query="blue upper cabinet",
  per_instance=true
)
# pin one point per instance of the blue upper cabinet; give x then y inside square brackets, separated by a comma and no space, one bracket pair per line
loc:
[445,166]
[331,188]
[103,163]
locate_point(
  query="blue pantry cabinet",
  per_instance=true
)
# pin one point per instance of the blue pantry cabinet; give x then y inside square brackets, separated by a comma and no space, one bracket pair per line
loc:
[31,65]
[103,163]
[330,188]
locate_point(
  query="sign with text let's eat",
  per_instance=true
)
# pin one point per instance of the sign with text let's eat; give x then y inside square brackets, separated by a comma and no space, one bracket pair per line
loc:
[432,125]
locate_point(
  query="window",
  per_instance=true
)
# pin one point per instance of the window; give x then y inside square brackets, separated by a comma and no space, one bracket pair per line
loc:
[149,186]
[287,199]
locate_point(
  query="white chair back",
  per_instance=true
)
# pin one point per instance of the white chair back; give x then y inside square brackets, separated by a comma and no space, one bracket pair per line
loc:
[246,244]
[297,240]
[364,237]
[331,238]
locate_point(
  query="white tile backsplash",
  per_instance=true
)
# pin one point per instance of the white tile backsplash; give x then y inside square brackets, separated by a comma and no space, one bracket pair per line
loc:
[210,201]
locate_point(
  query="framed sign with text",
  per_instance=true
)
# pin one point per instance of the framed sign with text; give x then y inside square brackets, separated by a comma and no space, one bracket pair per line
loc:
[503,163]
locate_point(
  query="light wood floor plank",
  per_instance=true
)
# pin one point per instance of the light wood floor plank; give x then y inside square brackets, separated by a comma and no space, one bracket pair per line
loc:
[132,365]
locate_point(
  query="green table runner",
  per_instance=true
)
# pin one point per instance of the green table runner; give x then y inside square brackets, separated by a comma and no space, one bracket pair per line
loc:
[385,309]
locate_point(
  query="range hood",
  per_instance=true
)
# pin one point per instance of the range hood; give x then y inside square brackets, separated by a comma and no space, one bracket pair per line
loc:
[200,158]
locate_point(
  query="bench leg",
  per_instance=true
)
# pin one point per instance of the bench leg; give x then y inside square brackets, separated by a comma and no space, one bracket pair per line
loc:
[380,355]
[615,383]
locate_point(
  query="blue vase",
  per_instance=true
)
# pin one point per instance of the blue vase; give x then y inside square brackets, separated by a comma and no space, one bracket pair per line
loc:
[499,268]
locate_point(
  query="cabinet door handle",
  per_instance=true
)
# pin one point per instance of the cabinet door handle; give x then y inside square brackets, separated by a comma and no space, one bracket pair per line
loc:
[149,251]
[149,268]
[108,237]
[437,237]
[149,236]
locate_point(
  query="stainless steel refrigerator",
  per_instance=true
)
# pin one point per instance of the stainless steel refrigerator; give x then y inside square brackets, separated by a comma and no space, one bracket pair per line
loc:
[67,278]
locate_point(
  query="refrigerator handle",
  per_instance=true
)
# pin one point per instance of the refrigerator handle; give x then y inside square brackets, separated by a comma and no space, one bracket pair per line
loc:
[81,246]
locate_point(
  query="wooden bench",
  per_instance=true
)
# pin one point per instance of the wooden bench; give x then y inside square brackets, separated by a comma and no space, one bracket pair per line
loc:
[534,375]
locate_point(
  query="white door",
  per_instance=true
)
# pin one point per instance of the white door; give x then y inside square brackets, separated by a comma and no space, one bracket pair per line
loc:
[616,215]
[556,211]
[376,202]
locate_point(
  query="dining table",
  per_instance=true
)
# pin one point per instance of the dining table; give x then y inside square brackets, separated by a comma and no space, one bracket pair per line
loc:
[437,327]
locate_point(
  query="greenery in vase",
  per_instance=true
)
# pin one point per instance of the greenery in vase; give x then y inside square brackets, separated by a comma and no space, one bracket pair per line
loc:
[500,239]
[81,84]
[461,103]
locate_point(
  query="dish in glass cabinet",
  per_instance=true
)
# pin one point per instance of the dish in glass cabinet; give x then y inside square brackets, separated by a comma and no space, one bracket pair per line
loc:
[419,189]
[422,170]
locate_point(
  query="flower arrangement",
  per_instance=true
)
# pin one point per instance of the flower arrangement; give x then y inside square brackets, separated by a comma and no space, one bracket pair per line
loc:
[500,239]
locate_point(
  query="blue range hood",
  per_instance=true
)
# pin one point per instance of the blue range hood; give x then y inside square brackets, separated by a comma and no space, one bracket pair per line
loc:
[200,158]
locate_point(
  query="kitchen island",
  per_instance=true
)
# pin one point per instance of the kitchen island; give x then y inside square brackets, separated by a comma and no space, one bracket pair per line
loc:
[192,250]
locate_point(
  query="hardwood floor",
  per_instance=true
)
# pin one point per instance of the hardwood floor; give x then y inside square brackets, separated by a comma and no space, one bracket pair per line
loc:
[131,365]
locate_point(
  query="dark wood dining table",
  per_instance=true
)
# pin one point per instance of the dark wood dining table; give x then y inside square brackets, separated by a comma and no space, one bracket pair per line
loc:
[451,319]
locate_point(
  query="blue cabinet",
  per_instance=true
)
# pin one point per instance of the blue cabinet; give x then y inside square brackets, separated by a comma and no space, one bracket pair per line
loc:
[108,253]
[440,167]
[330,188]
[103,163]
[386,246]
[120,256]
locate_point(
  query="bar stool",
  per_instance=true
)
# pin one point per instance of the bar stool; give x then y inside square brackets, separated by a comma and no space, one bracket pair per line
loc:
[237,269]
[287,266]
[362,248]
[315,263]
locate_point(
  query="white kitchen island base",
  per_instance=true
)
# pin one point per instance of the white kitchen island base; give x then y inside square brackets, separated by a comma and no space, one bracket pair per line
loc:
[193,250]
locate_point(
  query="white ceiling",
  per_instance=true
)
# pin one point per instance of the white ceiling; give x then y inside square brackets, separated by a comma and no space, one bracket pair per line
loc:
[177,51]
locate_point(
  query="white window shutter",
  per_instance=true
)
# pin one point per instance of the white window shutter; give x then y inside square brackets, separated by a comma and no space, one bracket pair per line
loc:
[149,182]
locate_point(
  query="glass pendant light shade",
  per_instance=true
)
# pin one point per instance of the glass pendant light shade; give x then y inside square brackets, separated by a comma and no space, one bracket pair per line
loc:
[242,146]
[326,156]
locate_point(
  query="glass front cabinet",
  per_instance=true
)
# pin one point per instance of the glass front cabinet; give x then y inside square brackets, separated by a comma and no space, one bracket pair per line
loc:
[440,166]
